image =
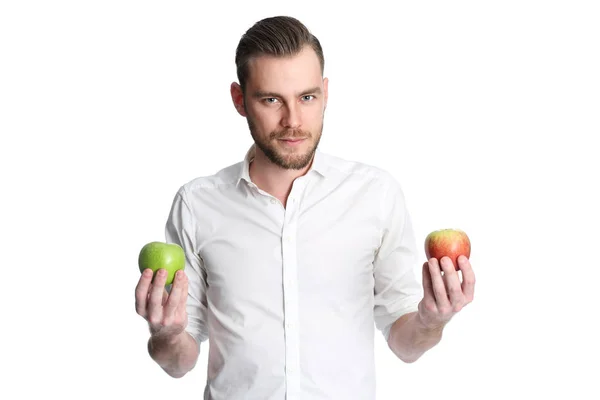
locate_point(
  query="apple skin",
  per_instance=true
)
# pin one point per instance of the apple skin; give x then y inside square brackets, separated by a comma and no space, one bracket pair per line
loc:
[157,255]
[448,242]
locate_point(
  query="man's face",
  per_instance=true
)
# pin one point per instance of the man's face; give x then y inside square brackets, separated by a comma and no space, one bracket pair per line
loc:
[284,102]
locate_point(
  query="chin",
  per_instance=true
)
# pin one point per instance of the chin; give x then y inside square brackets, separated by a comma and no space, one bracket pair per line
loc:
[293,158]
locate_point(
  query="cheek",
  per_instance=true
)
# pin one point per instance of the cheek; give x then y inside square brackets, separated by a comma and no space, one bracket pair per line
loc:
[266,120]
[316,116]
[261,123]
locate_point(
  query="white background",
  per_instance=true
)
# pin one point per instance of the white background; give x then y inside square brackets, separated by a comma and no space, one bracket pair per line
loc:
[486,112]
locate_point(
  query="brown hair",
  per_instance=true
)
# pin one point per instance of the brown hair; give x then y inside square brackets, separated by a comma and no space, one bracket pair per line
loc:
[275,36]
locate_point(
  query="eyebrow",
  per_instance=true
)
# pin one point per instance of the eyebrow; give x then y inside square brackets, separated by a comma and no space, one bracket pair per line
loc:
[259,93]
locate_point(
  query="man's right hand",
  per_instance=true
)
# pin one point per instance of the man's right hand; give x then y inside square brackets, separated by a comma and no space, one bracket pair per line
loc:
[165,312]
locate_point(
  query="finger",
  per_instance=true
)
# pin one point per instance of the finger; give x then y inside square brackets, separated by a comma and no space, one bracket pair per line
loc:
[452,281]
[468,281]
[155,308]
[141,292]
[439,289]
[174,298]
[428,295]
[184,291]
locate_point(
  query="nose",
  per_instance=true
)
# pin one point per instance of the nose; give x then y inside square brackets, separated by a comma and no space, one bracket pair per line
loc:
[291,118]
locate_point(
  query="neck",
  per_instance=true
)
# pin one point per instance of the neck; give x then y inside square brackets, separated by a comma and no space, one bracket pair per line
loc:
[272,178]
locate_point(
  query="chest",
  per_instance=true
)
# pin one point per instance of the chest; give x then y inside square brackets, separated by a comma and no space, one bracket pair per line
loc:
[314,247]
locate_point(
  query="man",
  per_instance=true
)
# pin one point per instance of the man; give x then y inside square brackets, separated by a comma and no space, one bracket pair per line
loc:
[293,255]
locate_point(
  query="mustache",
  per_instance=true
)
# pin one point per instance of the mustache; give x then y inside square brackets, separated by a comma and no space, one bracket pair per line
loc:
[290,133]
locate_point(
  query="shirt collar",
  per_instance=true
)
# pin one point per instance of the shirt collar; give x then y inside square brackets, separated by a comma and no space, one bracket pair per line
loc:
[319,164]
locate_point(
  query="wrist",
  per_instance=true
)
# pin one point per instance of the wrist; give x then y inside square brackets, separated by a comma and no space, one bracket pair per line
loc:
[166,339]
[428,327]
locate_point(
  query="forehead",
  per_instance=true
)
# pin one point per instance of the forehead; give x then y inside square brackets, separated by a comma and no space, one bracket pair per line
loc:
[285,74]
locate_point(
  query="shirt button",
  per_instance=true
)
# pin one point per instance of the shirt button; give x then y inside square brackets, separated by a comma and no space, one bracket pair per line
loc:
[273,201]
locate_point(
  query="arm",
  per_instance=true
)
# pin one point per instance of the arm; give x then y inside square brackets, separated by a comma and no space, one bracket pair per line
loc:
[176,318]
[178,353]
[412,314]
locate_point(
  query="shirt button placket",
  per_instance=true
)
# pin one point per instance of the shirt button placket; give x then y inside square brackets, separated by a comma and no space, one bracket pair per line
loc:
[290,271]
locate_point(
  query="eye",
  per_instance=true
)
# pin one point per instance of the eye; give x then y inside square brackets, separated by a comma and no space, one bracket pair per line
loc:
[308,97]
[270,100]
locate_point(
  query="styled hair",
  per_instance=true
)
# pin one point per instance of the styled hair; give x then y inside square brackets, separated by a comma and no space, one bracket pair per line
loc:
[279,36]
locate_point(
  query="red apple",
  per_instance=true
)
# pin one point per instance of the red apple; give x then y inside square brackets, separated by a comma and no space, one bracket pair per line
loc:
[447,242]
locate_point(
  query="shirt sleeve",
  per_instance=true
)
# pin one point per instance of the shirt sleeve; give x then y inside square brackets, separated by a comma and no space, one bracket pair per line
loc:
[398,281]
[181,229]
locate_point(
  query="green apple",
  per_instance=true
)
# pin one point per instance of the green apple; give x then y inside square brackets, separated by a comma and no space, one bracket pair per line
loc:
[157,255]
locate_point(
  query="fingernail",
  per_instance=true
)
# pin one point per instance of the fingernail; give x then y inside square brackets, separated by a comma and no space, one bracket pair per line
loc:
[147,272]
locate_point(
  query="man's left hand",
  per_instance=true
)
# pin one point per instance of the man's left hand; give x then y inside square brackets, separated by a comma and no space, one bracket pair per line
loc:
[444,293]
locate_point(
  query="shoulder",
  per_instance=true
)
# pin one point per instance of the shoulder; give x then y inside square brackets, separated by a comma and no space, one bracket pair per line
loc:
[370,182]
[362,172]
[225,178]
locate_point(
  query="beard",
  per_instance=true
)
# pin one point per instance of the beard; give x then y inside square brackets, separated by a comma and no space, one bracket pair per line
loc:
[286,160]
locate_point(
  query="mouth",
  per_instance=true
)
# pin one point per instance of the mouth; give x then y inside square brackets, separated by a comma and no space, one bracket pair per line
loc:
[293,140]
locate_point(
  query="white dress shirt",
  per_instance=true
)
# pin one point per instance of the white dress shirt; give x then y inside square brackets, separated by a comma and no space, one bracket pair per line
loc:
[289,298]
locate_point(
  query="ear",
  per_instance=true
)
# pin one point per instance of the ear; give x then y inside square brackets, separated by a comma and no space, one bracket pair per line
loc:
[326,92]
[237,96]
